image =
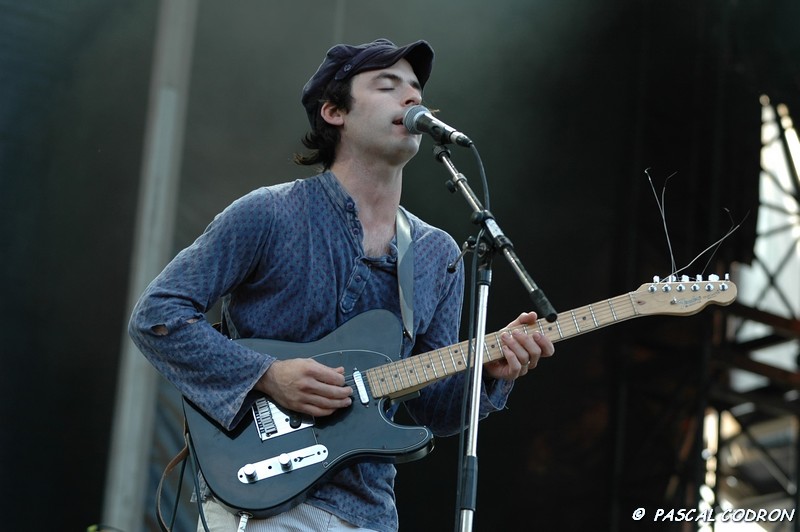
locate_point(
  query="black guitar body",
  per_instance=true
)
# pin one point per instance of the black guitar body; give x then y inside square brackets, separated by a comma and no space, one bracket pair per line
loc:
[264,474]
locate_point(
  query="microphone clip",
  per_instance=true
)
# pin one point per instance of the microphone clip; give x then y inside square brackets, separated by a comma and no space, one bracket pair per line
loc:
[466,247]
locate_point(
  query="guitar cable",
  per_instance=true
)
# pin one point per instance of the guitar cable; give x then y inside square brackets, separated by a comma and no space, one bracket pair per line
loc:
[177,496]
[195,474]
[244,517]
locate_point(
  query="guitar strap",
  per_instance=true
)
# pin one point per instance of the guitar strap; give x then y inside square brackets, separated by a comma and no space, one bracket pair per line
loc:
[405,271]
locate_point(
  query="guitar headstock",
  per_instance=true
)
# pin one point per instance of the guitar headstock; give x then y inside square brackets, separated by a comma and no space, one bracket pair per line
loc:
[684,296]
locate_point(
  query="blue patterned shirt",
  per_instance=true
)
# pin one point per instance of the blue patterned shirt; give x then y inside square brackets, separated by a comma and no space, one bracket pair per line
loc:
[288,262]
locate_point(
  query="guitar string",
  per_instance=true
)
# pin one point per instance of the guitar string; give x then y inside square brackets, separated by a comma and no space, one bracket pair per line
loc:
[416,370]
[411,368]
[661,204]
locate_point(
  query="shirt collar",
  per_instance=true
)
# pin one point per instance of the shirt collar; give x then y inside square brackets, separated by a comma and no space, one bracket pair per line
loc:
[337,192]
[342,199]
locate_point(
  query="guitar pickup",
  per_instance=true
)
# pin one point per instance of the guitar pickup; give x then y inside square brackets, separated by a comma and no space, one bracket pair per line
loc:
[283,463]
[363,396]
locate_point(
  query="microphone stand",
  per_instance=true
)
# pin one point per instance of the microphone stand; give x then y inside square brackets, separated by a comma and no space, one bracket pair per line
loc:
[493,239]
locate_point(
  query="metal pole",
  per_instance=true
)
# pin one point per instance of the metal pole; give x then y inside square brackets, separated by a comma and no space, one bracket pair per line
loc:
[132,425]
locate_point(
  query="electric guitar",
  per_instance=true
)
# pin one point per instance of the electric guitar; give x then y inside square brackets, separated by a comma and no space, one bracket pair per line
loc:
[273,458]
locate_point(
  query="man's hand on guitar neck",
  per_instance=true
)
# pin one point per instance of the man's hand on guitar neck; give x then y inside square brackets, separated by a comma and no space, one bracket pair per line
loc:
[521,351]
[306,386]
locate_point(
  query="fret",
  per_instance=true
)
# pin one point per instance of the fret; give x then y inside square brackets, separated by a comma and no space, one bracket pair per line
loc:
[541,327]
[385,378]
[425,362]
[381,377]
[575,321]
[413,372]
[374,384]
[633,304]
[441,359]
[452,361]
[594,318]
[399,373]
[487,355]
[498,350]
[460,351]
[613,312]
[432,363]
[547,329]
[385,384]
[463,354]
[462,358]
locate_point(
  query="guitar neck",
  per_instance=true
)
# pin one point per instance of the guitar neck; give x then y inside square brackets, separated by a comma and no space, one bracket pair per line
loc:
[400,378]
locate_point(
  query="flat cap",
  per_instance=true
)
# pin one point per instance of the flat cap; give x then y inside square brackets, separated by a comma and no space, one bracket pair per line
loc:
[345,60]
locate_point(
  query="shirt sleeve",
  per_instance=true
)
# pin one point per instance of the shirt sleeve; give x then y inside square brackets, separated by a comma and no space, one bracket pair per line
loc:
[168,322]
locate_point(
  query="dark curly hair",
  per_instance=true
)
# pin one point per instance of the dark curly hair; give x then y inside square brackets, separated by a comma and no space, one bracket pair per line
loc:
[323,139]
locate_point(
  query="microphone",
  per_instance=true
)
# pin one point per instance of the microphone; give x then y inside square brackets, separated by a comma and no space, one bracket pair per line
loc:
[418,119]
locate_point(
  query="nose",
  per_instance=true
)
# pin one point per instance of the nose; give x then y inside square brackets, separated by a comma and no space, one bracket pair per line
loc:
[413,96]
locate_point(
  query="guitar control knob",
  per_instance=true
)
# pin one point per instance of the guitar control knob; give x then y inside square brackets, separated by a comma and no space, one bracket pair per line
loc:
[286,462]
[249,471]
[295,420]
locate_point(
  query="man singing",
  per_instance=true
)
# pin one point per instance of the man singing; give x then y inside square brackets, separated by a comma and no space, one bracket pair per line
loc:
[297,260]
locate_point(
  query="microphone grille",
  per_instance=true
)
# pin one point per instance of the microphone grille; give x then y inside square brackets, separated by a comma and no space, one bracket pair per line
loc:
[412,115]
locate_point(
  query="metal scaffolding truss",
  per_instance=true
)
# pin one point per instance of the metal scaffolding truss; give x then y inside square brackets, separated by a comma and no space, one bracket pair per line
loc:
[751,443]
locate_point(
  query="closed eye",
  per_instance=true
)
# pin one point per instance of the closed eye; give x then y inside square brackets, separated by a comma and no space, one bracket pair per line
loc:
[388,81]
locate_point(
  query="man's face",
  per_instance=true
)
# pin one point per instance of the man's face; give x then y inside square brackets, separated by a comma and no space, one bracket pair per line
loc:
[374,125]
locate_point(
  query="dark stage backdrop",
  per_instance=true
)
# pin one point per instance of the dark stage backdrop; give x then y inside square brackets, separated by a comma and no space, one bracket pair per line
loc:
[569,103]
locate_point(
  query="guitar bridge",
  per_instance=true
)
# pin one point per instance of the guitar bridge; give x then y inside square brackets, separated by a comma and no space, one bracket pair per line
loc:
[272,421]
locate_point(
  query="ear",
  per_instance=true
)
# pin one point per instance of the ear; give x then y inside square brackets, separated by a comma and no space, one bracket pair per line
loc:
[332,114]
